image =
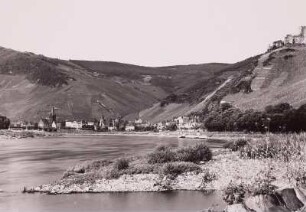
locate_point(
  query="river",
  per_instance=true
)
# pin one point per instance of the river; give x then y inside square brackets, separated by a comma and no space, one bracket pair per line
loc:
[34,161]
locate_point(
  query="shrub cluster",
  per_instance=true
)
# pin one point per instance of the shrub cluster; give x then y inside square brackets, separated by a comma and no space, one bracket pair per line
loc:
[162,154]
[195,154]
[234,193]
[4,122]
[164,161]
[278,118]
[236,145]
[121,163]
[207,177]
[263,184]
[177,168]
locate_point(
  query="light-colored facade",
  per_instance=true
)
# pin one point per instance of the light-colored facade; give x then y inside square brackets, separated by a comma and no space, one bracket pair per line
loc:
[129,127]
[74,124]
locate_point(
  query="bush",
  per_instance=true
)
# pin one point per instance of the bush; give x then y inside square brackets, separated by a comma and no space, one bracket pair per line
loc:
[176,168]
[236,145]
[112,174]
[234,193]
[96,165]
[142,169]
[207,177]
[4,122]
[121,163]
[197,153]
[162,154]
[263,184]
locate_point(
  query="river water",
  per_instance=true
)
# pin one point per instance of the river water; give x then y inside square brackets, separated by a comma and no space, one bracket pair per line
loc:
[34,161]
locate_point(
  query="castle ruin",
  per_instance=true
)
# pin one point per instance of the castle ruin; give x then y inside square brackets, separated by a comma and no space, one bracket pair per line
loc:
[290,39]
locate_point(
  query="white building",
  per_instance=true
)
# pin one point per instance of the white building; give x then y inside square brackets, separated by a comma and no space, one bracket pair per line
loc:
[74,124]
[129,127]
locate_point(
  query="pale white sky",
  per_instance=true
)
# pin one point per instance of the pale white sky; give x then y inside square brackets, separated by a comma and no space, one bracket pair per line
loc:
[148,32]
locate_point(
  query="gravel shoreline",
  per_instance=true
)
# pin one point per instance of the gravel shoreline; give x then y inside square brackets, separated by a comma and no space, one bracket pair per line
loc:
[226,166]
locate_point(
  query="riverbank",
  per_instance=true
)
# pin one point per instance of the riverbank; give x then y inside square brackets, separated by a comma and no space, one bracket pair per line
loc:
[193,134]
[189,134]
[217,174]
[20,134]
[259,168]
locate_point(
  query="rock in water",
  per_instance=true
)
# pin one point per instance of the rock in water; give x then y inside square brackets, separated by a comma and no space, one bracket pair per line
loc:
[263,203]
[290,199]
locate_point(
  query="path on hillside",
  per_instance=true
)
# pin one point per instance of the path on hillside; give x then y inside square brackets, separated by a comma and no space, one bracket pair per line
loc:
[202,104]
[261,72]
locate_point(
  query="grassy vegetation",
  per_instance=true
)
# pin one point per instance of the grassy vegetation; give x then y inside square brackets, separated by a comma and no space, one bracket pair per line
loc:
[283,163]
[236,145]
[21,134]
[164,160]
[195,154]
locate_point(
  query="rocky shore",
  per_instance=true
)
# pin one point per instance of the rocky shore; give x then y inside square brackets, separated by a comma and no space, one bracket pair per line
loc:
[126,183]
[284,200]
[224,168]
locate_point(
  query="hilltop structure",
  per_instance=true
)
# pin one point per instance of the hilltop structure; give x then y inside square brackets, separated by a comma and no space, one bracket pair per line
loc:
[290,39]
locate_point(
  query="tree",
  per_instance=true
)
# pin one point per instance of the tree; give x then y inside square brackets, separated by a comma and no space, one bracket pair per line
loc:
[4,122]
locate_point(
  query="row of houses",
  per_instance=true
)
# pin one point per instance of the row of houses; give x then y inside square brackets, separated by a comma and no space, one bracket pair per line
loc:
[113,124]
[180,123]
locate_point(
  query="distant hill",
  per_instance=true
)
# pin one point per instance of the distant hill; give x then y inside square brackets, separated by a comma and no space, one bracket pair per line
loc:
[31,84]
[268,79]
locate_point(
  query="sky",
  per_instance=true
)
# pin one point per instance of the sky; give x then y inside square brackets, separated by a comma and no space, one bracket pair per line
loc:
[148,32]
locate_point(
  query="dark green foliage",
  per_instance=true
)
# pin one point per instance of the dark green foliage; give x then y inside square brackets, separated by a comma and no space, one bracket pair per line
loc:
[177,168]
[169,99]
[162,154]
[279,108]
[171,127]
[263,184]
[195,154]
[234,194]
[277,118]
[112,174]
[37,69]
[4,122]
[235,145]
[207,177]
[121,163]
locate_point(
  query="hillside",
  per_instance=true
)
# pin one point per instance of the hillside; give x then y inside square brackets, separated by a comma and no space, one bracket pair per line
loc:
[279,77]
[201,95]
[268,79]
[31,84]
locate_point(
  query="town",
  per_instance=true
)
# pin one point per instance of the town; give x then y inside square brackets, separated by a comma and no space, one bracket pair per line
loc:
[52,124]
